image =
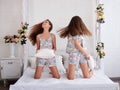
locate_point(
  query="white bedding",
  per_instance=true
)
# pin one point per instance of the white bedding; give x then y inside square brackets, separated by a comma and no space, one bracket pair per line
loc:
[99,81]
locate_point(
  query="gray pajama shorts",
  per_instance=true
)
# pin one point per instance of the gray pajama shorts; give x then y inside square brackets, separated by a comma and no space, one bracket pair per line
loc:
[46,61]
[77,58]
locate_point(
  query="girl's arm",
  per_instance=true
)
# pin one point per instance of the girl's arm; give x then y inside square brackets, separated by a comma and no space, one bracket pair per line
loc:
[37,42]
[54,42]
[81,49]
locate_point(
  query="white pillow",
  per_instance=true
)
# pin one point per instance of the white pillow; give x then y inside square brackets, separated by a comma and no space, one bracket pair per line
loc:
[59,64]
[91,63]
[45,53]
[32,62]
[65,59]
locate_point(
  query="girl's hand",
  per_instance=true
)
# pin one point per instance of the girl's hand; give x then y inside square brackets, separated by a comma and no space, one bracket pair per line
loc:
[87,56]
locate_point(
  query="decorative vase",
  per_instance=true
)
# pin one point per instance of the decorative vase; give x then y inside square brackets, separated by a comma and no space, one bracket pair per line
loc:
[98,63]
[12,50]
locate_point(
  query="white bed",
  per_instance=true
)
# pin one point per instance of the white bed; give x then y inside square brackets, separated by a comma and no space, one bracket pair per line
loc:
[99,81]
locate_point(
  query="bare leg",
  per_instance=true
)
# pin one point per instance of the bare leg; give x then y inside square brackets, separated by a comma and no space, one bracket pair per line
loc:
[85,70]
[71,71]
[54,72]
[38,72]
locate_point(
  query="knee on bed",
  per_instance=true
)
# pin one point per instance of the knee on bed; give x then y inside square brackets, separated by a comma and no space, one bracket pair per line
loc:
[71,77]
[57,76]
[87,76]
[36,77]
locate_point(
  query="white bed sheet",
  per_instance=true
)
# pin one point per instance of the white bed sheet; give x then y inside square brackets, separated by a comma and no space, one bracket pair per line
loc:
[99,81]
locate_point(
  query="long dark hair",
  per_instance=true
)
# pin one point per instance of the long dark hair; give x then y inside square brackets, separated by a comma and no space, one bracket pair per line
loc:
[37,29]
[75,27]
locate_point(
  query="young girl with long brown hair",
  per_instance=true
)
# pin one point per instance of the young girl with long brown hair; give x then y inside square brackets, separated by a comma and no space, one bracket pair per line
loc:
[41,37]
[75,48]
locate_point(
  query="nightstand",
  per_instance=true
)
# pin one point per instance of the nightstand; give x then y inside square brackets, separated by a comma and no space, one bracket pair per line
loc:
[10,68]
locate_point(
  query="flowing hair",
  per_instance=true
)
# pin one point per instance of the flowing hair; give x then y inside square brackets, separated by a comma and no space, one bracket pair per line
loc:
[37,29]
[75,27]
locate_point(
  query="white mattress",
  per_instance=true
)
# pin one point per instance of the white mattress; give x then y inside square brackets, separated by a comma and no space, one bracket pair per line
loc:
[99,81]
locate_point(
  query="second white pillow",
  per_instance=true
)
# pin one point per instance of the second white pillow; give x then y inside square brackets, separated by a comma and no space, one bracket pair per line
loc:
[91,63]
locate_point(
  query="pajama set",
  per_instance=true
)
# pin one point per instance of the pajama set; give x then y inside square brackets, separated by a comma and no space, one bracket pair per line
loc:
[75,56]
[43,45]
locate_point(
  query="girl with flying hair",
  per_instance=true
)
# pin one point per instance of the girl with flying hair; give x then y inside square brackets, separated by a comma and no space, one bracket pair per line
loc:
[75,31]
[41,37]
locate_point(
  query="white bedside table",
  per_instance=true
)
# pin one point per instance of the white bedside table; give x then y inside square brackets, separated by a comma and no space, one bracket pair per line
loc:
[10,68]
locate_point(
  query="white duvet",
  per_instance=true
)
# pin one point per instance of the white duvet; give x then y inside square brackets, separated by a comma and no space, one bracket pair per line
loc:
[99,81]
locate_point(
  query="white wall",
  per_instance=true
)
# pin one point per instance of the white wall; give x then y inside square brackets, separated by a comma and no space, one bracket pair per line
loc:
[10,19]
[111,37]
[60,12]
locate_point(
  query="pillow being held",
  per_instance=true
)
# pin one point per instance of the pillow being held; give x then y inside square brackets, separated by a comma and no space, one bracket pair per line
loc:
[45,53]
